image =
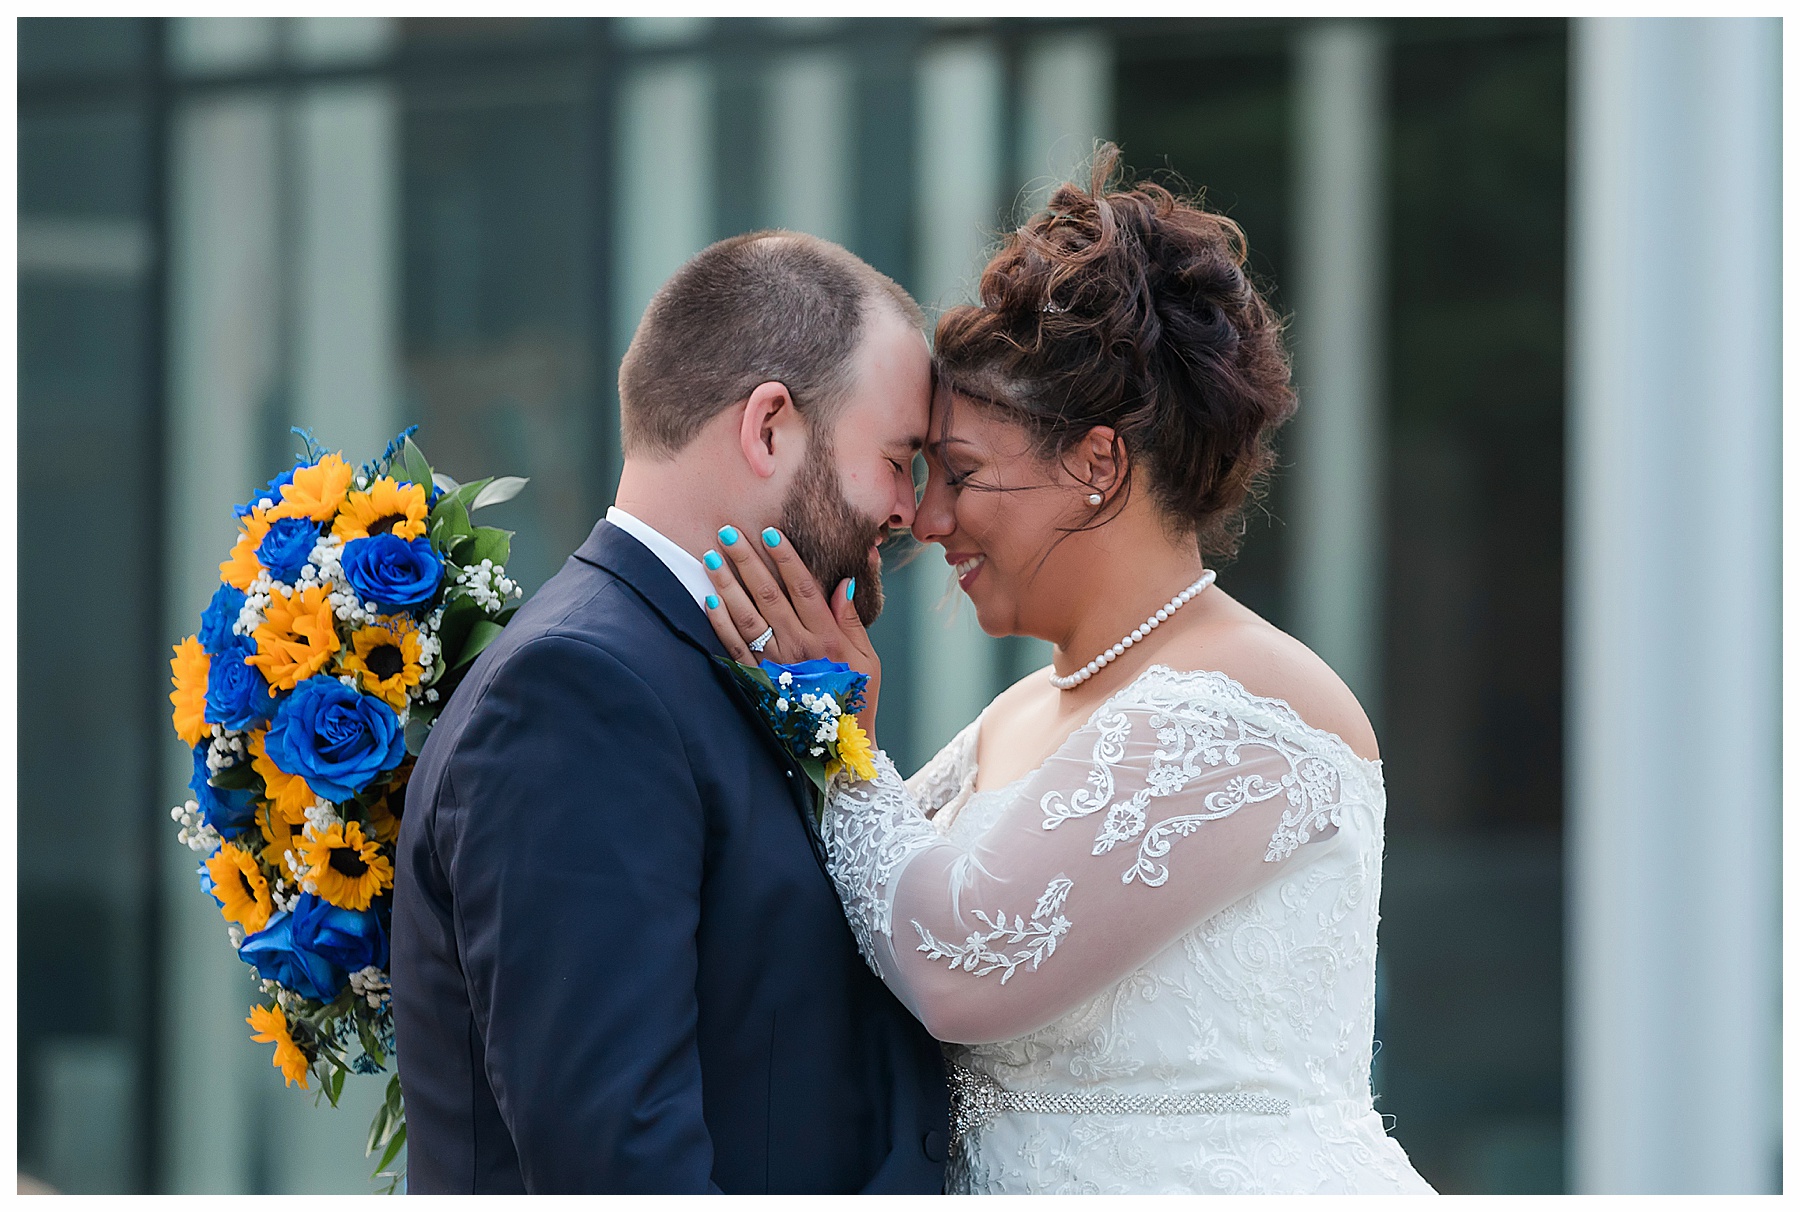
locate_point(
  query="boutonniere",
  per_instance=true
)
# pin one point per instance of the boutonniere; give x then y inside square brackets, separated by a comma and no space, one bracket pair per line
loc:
[812,707]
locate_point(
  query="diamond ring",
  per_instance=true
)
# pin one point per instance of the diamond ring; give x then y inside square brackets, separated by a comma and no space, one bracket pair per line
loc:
[762,641]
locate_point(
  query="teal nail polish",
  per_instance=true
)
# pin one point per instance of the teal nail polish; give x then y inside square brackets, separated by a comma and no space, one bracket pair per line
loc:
[728,535]
[772,537]
[850,589]
[713,560]
[712,601]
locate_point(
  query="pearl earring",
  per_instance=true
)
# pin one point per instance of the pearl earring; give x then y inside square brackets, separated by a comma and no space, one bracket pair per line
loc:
[1094,498]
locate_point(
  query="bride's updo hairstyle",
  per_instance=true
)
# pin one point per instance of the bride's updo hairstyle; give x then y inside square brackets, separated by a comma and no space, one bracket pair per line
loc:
[1131,308]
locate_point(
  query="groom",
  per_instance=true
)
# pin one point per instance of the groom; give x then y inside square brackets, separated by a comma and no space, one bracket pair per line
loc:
[618,963]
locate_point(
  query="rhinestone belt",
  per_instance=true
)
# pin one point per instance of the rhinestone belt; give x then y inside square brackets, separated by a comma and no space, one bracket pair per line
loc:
[976,1098]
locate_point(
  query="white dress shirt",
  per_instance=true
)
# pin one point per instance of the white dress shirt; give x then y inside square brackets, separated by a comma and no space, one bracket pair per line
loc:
[688,570]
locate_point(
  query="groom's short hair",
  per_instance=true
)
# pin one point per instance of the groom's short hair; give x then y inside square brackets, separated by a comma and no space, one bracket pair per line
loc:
[768,306]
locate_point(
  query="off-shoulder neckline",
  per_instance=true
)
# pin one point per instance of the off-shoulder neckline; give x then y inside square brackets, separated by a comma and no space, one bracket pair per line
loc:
[1279,706]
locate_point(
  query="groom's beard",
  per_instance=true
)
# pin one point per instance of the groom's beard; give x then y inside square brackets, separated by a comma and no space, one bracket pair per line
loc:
[831,535]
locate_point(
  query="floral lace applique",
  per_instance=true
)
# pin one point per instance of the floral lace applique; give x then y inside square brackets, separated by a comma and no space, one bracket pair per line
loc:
[1039,935]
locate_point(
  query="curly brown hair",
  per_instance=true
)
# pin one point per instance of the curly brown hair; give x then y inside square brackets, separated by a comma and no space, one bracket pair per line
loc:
[1132,308]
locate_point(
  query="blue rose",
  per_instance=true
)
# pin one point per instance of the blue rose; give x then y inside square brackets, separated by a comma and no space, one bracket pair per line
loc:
[392,573]
[335,738]
[350,939]
[236,694]
[287,546]
[272,493]
[277,957]
[229,812]
[220,614]
[817,677]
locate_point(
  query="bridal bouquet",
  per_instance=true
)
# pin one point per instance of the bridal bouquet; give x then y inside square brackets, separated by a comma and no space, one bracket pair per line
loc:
[352,602]
[812,706]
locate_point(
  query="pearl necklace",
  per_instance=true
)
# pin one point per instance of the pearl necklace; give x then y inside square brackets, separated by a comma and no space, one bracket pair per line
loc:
[1150,624]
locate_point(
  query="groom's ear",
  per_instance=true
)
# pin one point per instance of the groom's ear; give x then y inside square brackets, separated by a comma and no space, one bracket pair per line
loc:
[769,423]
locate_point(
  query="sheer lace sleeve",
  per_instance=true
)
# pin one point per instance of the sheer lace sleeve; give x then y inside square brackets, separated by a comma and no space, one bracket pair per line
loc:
[947,775]
[1180,795]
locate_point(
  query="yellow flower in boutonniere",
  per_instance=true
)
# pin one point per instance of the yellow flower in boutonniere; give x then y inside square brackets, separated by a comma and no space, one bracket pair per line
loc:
[317,491]
[269,1026]
[348,869]
[189,669]
[387,507]
[240,888]
[385,658]
[297,637]
[853,750]
[289,793]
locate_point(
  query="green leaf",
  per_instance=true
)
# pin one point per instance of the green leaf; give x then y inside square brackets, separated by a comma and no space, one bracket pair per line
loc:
[416,731]
[815,770]
[335,1085]
[449,524]
[502,489]
[460,615]
[387,1159]
[380,1130]
[412,461]
[485,543]
[241,777]
[485,632]
[444,483]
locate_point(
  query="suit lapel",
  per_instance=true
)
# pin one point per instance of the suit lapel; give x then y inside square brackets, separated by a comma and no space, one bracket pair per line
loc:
[630,561]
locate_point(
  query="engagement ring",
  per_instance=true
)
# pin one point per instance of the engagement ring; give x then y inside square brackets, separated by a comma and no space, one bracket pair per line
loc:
[762,641]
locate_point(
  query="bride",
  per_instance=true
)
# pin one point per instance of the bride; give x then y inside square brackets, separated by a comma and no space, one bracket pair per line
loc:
[1137,897]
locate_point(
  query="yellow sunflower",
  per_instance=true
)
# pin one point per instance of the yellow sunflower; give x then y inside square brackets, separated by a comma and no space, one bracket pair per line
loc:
[387,508]
[316,492]
[189,668]
[269,1026]
[297,637]
[854,751]
[281,835]
[290,793]
[240,889]
[243,566]
[347,868]
[385,658]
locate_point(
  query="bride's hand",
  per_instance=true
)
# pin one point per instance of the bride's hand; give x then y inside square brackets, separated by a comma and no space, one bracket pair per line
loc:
[747,601]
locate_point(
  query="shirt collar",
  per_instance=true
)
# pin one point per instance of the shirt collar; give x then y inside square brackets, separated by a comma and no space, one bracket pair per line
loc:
[688,570]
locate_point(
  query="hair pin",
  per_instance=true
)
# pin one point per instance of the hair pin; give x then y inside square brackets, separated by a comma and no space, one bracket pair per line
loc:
[1053,307]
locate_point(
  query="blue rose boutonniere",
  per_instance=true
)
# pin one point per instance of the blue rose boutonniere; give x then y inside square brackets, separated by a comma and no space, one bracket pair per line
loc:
[812,706]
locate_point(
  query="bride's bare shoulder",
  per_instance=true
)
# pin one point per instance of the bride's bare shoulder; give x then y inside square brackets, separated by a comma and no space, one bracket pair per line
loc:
[1270,663]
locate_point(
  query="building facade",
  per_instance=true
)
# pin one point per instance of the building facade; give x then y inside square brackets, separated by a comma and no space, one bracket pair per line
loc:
[231,226]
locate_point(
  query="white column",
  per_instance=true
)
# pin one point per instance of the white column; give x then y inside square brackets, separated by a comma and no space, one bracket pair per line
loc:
[347,339]
[223,311]
[663,178]
[1674,642]
[1066,104]
[1339,337]
[957,198]
[808,110]
[343,141]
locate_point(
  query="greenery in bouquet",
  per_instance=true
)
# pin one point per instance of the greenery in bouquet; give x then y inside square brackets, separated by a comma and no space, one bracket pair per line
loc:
[351,604]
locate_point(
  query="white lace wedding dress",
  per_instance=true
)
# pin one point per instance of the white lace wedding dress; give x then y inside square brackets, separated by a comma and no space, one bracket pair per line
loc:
[1152,959]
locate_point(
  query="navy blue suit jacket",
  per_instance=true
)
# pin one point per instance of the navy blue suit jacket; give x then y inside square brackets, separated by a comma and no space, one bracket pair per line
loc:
[618,962]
